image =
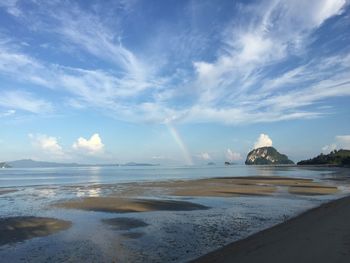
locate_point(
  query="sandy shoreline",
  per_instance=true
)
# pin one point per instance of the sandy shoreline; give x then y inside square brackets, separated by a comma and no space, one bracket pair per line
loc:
[319,235]
[185,218]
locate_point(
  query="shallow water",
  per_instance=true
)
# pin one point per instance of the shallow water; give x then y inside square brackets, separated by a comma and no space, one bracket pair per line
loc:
[170,236]
[103,175]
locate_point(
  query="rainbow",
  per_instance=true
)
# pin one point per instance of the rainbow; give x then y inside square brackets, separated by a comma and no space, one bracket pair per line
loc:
[180,142]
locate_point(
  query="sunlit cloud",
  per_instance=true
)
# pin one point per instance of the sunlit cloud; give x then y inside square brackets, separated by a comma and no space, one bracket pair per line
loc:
[92,146]
[47,144]
[263,141]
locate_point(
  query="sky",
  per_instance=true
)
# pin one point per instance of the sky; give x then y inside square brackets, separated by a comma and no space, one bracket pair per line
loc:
[173,82]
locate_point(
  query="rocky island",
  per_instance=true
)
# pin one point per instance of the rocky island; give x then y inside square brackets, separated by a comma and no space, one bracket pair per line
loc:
[266,156]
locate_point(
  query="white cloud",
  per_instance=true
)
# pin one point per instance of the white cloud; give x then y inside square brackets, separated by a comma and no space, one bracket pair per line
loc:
[11,7]
[341,142]
[231,88]
[20,100]
[233,156]
[159,157]
[48,144]
[90,146]
[204,156]
[281,29]
[263,141]
[7,113]
[329,148]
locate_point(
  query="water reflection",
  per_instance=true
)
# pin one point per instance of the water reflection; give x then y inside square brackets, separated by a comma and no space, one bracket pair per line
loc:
[89,192]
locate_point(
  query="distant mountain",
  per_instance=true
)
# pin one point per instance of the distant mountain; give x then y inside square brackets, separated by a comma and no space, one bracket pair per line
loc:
[266,156]
[28,163]
[339,158]
[138,164]
[4,165]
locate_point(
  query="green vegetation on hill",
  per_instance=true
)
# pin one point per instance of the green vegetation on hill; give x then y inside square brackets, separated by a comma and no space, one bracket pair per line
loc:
[266,156]
[341,158]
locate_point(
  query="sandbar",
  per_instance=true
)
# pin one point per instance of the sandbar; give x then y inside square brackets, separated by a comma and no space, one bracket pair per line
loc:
[126,205]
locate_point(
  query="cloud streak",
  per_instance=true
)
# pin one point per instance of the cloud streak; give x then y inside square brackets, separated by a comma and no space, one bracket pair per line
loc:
[246,81]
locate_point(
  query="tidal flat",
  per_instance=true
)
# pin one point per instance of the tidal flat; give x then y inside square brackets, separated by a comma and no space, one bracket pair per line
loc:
[157,219]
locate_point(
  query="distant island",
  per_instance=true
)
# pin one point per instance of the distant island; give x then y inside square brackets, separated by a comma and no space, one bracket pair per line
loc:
[4,165]
[138,164]
[229,163]
[266,156]
[29,163]
[336,158]
[211,163]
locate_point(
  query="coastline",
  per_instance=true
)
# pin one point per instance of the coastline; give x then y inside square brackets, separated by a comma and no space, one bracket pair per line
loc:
[321,234]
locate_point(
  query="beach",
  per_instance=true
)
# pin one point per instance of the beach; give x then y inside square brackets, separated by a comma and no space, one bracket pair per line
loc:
[319,235]
[177,218]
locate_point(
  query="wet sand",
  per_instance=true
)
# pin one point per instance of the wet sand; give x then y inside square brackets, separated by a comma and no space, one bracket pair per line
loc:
[7,191]
[124,223]
[124,200]
[226,187]
[318,235]
[230,186]
[16,229]
[124,205]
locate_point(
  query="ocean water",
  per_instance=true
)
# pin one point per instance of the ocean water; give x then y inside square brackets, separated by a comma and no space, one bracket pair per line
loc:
[171,236]
[105,175]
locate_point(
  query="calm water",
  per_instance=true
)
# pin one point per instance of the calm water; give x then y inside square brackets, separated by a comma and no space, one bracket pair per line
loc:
[171,236]
[88,175]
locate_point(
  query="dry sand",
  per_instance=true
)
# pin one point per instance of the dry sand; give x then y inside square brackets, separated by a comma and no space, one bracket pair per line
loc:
[16,229]
[124,205]
[319,235]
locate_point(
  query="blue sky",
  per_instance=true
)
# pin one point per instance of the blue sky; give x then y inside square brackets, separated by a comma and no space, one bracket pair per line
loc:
[173,82]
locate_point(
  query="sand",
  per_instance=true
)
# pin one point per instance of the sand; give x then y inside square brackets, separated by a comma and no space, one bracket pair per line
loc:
[235,186]
[125,205]
[319,235]
[16,229]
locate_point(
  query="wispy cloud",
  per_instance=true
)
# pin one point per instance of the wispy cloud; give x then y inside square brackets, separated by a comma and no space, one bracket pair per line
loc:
[47,144]
[7,113]
[237,84]
[341,142]
[246,81]
[204,156]
[25,101]
[233,156]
